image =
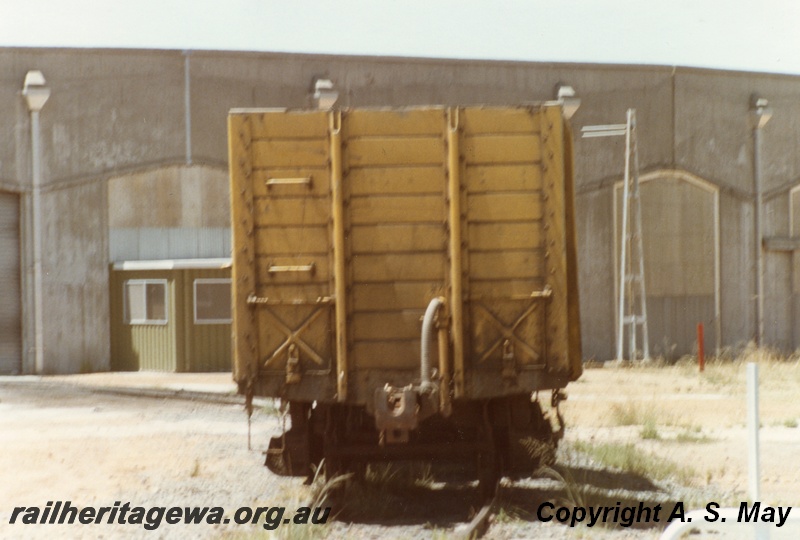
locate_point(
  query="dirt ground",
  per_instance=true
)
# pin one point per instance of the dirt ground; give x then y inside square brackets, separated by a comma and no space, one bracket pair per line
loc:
[699,420]
[65,442]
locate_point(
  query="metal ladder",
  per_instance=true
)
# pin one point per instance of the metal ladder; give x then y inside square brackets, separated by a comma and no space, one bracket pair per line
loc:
[632,307]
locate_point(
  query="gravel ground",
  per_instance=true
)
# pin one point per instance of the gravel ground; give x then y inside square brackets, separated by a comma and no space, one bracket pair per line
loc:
[68,442]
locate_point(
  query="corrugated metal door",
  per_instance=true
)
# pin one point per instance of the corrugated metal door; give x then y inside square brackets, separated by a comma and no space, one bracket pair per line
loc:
[10,310]
[679,231]
[207,320]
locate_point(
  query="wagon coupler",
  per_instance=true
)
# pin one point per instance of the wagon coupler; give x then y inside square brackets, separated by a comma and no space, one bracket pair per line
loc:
[398,411]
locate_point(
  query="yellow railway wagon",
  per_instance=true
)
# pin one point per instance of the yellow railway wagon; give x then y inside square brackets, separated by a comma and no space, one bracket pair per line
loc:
[406,280]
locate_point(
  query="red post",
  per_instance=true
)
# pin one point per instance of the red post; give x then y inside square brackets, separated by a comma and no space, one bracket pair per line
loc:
[701,360]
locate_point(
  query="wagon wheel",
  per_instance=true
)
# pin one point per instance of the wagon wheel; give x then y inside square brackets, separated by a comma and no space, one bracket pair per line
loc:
[488,459]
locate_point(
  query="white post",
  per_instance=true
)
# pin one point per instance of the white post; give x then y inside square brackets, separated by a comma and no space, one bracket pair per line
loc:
[623,269]
[187,105]
[36,95]
[752,430]
[759,234]
[37,244]
[759,114]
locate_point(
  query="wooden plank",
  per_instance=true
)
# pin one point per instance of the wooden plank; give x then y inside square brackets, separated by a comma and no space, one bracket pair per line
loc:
[497,149]
[320,273]
[397,209]
[394,296]
[489,120]
[504,236]
[392,325]
[485,178]
[289,124]
[300,211]
[386,355]
[397,181]
[506,288]
[293,293]
[503,207]
[406,122]
[506,264]
[243,273]
[320,185]
[288,240]
[290,153]
[389,151]
[398,267]
[398,238]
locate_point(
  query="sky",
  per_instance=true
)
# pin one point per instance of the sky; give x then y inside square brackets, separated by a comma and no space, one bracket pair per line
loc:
[760,35]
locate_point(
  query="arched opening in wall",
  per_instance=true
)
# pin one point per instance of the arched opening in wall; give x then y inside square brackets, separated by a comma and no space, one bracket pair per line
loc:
[794,231]
[174,212]
[680,233]
[10,292]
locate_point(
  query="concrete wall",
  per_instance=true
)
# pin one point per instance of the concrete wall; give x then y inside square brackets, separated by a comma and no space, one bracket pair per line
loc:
[122,154]
[168,213]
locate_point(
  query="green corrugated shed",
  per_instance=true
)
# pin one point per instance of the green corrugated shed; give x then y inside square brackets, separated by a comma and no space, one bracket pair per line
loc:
[193,337]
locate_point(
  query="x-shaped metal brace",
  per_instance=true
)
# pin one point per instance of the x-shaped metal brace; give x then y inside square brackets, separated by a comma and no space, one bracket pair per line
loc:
[508,332]
[292,336]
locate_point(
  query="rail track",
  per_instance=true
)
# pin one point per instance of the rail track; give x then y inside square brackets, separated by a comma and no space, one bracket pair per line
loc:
[480,522]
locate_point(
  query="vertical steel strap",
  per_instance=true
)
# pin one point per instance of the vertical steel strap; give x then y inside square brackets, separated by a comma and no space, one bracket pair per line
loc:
[456,293]
[245,329]
[339,273]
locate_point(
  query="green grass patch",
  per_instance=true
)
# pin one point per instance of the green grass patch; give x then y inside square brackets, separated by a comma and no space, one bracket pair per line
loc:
[649,430]
[628,458]
[692,435]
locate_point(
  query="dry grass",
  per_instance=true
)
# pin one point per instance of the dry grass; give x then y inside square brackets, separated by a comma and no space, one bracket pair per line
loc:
[675,414]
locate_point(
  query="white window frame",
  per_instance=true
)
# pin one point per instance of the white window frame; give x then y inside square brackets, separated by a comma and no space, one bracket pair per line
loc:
[211,281]
[163,282]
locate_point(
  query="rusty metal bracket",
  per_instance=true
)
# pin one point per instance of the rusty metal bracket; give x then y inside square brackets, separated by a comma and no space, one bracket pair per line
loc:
[509,362]
[395,413]
[293,373]
[555,400]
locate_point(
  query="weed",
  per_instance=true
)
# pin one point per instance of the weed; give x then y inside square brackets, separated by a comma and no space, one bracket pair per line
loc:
[196,469]
[790,423]
[575,491]
[692,434]
[624,414]
[322,489]
[271,408]
[628,458]
[632,413]
[649,430]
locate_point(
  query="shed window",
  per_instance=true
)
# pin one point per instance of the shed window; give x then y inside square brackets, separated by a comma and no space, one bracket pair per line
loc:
[145,301]
[212,301]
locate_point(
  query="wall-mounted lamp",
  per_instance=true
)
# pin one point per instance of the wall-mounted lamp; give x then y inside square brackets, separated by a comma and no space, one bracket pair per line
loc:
[565,95]
[325,95]
[35,92]
[760,112]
